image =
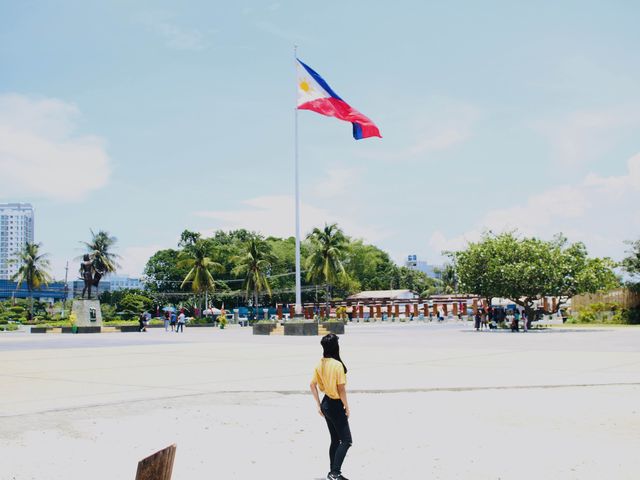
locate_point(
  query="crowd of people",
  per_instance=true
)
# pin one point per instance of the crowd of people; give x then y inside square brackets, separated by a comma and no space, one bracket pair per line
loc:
[493,317]
[171,320]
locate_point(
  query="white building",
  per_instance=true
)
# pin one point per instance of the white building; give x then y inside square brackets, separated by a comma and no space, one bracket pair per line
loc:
[422,266]
[16,229]
[118,282]
[372,296]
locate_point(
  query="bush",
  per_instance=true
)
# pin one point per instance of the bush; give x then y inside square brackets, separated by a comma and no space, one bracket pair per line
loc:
[108,311]
[11,327]
[133,304]
[201,321]
[630,316]
[607,313]
[118,321]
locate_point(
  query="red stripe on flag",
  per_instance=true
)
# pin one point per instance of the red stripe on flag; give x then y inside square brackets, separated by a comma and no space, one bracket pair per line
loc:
[333,107]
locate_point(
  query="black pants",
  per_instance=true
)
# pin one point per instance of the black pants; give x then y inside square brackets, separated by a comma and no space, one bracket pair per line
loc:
[180,327]
[338,424]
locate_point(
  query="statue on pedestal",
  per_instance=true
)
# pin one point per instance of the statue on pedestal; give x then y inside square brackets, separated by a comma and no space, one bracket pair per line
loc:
[87,271]
[98,261]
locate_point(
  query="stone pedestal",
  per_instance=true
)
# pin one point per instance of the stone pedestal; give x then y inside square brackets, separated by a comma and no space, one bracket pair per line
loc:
[88,313]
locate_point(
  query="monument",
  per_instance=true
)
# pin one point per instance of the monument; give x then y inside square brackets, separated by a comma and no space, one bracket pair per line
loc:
[87,312]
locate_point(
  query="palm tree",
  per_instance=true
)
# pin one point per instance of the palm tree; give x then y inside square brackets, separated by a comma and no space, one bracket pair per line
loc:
[254,263]
[102,258]
[324,265]
[195,257]
[449,278]
[33,269]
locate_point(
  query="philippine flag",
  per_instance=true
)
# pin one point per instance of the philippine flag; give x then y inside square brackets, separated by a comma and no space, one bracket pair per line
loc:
[316,95]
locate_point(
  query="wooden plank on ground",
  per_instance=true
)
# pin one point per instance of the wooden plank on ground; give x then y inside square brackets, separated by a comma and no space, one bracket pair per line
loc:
[157,466]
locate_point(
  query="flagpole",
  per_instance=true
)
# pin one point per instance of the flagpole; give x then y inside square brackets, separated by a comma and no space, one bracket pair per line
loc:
[298,308]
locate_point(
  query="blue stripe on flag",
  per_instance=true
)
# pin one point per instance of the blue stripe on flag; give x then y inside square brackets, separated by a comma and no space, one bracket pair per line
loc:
[319,79]
[357,131]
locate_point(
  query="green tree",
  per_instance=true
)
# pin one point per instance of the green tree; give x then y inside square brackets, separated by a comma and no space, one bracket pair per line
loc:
[282,277]
[255,265]
[103,259]
[199,276]
[132,304]
[369,267]
[526,269]
[226,247]
[416,281]
[448,279]
[33,269]
[163,276]
[116,297]
[328,251]
[188,238]
[631,264]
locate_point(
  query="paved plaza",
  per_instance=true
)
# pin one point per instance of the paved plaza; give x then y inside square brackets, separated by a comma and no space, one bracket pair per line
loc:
[428,401]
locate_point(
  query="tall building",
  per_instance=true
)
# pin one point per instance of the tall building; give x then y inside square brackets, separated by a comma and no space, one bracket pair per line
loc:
[109,283]
[16,229]
[422,266]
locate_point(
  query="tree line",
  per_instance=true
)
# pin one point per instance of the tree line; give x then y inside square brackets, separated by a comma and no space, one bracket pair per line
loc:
[242,266]
[239,267]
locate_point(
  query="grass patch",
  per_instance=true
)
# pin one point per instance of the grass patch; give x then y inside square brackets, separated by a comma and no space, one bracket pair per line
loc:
[9,327]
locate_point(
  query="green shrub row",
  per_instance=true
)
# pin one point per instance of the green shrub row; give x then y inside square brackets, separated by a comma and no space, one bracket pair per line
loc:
[607,313]
[9,327]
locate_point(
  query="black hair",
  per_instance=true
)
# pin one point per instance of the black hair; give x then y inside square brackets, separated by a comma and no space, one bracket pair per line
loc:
[331,349]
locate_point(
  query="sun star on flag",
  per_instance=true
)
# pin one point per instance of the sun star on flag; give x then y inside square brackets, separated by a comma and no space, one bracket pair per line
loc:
[304,86]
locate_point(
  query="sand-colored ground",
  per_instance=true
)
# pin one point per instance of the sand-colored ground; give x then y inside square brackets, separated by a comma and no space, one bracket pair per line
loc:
[427,401]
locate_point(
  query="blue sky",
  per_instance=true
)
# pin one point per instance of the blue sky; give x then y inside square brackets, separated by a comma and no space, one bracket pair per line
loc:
[145,118]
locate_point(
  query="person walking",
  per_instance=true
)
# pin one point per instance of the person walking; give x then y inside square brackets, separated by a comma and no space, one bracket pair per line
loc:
[167,319]
[172,323]
[142,320]
[516,319]
[181,321]
[330,376]
[511,319]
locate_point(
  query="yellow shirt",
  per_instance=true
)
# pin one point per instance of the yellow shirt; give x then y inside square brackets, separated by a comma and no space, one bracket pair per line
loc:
[328,375]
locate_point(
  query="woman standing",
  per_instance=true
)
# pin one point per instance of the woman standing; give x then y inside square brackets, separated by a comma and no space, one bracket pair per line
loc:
[331,377]
[167,319]
[516,319]
[181,321]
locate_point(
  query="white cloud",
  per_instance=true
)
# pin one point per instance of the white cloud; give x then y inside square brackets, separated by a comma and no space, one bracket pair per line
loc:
[279,32]
[600,211]
[175,36]
[133,259]
[41,156]
[337,182]
[586,135]
[440,125]
[275,215]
